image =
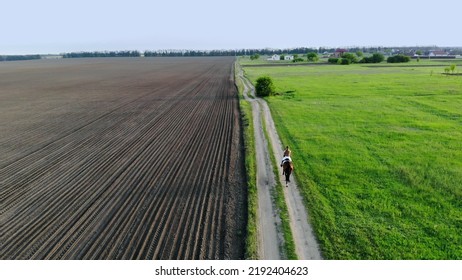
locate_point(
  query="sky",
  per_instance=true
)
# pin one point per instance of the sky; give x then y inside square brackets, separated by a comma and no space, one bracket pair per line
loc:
[52,26]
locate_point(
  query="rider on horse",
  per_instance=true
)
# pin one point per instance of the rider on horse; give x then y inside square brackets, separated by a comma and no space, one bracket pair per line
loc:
[286,164]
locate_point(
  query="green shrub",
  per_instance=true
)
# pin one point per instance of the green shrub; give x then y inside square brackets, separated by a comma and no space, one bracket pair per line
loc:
[254,56]
[351,57]
[345,61]
[399,58]
[312,56]
[333,60]
[375,58]
[264,86]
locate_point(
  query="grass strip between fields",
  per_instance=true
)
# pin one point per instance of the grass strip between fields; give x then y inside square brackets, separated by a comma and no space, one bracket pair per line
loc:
[250,167]
[251,243]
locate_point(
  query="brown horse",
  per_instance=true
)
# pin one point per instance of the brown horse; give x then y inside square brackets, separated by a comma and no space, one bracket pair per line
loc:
[287,168]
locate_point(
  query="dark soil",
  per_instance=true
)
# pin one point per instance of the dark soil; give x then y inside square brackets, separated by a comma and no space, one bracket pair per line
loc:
[134,158]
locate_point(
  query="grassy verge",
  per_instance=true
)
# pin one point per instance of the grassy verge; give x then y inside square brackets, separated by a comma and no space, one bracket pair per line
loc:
[278,195]
[378,156]
[250,167]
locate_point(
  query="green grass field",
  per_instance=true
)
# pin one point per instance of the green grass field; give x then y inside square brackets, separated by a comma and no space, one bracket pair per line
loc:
[378,155]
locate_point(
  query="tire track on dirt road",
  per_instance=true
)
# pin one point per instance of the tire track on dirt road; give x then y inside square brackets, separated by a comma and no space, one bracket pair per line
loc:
[306,245]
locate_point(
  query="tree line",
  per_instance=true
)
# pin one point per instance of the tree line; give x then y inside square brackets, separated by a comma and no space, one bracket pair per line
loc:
[237,52]
[102,54]
[358,57]
[19,57]
[188,53]
[229,52]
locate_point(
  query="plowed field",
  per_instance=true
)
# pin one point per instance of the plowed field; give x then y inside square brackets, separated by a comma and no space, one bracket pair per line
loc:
[120,159]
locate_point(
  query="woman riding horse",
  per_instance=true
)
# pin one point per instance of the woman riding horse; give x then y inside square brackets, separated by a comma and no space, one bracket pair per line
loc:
[286,164]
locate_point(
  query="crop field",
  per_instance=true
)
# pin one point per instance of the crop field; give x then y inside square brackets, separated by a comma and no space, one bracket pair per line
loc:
[121,159]
[378,155]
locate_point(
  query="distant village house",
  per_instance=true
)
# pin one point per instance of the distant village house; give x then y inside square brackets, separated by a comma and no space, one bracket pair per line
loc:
[277,57]
[274,57]
[438,53]
[340,52]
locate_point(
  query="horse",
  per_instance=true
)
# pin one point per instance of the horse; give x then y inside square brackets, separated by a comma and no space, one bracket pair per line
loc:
[287,168]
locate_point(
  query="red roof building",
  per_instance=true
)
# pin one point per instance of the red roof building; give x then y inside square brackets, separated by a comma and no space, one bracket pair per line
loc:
[340,52]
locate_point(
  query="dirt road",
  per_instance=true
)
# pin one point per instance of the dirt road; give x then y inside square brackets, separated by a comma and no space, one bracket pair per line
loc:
[307,247]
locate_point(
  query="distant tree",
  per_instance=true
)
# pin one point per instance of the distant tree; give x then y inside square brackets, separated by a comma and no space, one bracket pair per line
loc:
[375,58]
[255,56]
[333,60]
[312,56]
[419,52]
[399,58]
[352,58]
[345,61]
[452,68]
[264,86]
[359,53]
[19,57]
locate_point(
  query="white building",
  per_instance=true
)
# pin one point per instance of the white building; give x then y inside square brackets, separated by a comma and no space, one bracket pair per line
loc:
[274,57]
[288,57]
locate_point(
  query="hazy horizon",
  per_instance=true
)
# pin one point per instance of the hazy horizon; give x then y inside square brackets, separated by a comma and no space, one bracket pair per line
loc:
[237,49]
